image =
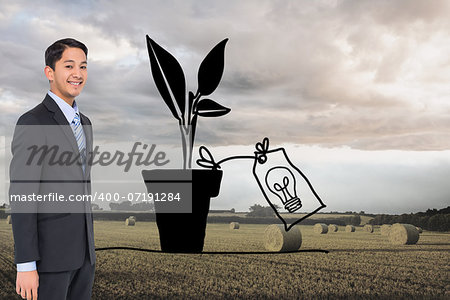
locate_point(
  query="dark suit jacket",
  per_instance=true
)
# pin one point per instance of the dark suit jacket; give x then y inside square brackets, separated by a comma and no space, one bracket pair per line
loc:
[54,234]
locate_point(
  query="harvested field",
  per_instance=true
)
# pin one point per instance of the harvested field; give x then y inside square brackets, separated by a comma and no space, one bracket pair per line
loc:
[359,265]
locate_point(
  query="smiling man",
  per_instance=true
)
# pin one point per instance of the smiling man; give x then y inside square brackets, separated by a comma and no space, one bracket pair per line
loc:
[54,242]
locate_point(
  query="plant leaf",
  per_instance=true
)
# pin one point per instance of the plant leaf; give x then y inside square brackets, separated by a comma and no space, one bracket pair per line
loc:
[169,78]
[211,69]
[210,108]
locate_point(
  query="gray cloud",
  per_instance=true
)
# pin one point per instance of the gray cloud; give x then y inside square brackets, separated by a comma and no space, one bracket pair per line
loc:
[337,68]
[369,75]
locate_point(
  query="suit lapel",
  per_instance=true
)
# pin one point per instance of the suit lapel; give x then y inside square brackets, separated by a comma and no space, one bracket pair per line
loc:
[62,122]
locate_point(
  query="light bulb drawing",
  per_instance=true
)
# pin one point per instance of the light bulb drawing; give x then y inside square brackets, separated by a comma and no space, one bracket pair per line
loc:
[281,182]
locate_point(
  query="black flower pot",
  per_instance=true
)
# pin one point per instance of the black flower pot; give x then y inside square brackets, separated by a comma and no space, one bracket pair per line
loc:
[182,232]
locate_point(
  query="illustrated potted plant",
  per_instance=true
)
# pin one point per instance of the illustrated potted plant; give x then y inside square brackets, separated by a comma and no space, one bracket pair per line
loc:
[185,232]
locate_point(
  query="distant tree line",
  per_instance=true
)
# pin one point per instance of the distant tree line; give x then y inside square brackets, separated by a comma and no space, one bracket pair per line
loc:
[128,206]
[349,212]
[222,211]
[261,211]
[265,213]
[353,220]
[341,221]
[432,219]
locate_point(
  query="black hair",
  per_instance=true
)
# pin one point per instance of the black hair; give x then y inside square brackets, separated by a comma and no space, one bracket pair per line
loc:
[54,52]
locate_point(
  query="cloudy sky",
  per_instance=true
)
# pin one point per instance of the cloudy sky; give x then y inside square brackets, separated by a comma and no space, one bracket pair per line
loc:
[357,91]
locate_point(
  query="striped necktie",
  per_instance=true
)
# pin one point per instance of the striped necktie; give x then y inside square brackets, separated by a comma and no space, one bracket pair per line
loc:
[81,140]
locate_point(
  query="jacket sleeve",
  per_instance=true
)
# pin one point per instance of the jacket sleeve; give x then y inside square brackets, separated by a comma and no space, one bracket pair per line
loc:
[24,183]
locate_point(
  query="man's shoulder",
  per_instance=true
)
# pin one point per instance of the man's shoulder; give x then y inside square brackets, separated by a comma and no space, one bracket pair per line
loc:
[32,117]
[38,115]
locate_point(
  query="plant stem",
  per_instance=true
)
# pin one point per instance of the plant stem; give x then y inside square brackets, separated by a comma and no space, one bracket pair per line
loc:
[187,143]
[188,132]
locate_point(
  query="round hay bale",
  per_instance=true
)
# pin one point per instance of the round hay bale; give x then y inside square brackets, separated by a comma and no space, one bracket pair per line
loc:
[419,229]
[8,219]
[130,222]
[403,234]
[368,228]
[132,217]
[385,228]
[279,240]
[332,228]
[349,228]
[320,228]
[234,225]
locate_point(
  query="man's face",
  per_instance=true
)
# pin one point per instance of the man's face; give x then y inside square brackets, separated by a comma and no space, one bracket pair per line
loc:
[69,76]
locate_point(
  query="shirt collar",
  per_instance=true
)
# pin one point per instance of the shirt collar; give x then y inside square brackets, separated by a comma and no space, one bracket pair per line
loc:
[68,111]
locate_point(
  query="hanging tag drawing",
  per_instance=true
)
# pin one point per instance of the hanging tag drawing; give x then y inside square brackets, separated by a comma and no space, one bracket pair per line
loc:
[286,189]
